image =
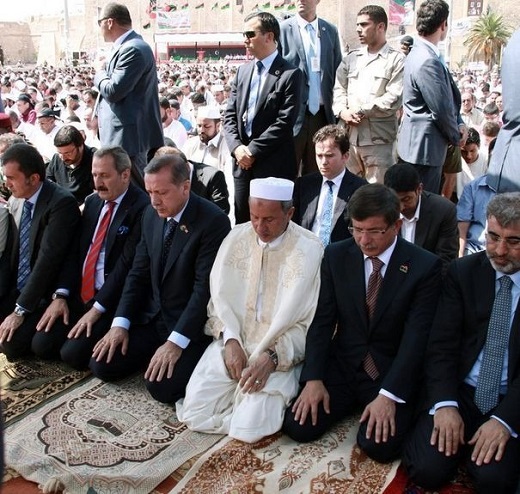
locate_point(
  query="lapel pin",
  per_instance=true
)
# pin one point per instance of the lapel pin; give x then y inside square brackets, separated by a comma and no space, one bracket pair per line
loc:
[123,230]
[403,268]
[184,229]
[276,72]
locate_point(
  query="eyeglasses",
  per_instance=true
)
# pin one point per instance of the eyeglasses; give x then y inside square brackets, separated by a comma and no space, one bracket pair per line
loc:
[250,34]
[101,20]
[511,242]
[371,233]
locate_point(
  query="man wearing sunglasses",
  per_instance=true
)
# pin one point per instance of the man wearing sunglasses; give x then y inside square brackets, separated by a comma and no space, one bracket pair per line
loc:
[261,111]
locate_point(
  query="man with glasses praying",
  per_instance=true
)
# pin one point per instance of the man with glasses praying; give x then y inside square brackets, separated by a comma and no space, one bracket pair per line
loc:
[366,344]
[71,166]
[472,366]
[262,108]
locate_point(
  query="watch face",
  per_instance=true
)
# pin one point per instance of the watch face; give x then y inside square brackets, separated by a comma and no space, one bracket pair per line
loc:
[19,311]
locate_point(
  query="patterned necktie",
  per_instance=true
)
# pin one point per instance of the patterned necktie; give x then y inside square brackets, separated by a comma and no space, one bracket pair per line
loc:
[89,271]
[326,217]
[254,92]
[489,376]
[171,225]
[314,76]
[24,261]
[374,284]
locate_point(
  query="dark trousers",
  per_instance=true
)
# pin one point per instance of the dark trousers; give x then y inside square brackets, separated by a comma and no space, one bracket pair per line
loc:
[304,147]
[75,352]
[431,469]
[350,393]
[143,342]
[20,344]
[242,197]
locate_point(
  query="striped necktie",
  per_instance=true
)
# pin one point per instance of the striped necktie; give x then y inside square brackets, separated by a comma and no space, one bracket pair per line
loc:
[24,259]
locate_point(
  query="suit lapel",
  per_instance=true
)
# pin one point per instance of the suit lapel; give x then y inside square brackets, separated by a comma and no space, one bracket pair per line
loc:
[423,223]
[355,270]
[118,219]
[270,80]
[39,208]
[298,42]
[344,193]
[311,200]
[245,82]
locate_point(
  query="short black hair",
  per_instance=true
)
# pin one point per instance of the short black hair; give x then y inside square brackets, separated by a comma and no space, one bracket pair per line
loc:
[374,200]
[118,12]
[376,14]
[337,133]
[68,134]
[473,137]
[176,162]
[29,160]
[402,178]
[268,23]
[430,16]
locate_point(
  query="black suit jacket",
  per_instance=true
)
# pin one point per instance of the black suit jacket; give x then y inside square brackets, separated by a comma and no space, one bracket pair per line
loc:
[179,294]
[209,182]
[54,224]
[122,238]
[459,333]
[397,335]
[436,228]
[306,196]
[271,141]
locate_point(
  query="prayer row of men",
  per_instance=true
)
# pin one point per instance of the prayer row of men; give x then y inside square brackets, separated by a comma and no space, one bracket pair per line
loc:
[254,329]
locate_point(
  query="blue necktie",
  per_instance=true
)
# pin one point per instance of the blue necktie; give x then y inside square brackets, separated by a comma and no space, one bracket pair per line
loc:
[171,225]
[326,217]
[314,77]
[254,92]
[490,374]
[24,264]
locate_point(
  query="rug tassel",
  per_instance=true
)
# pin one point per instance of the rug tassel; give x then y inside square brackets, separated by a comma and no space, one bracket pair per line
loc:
[52,485]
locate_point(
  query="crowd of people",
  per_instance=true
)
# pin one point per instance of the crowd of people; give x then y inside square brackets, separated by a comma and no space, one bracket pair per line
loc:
[373,264]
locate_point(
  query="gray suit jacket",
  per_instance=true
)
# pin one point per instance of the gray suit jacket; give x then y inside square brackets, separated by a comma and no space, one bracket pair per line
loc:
[128,111]
[291,48]
[431,104]
[503,173]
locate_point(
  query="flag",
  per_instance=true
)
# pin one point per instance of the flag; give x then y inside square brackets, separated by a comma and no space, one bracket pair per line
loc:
[199,5]
[240,5]
[215,6]
[266,5]
[291,6]
[185,5]
[225,6]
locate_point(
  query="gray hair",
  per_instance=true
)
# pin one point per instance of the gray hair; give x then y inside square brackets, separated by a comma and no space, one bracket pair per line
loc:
[505,208]
[119,155]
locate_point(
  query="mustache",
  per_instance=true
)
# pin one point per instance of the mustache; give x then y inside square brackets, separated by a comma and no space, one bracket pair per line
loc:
[101,189]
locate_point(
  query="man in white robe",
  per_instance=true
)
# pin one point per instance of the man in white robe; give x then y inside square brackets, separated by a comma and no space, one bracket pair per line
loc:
[264,290]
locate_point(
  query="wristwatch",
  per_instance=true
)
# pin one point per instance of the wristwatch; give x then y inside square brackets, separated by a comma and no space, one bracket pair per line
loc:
[273,356]
[19,311]
[56,295]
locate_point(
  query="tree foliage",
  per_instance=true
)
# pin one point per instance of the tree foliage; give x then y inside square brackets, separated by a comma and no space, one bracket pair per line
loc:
[487,38]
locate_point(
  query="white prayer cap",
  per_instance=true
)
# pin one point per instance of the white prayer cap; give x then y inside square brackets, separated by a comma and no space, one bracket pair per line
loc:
[272,189]
[218,87]
[211,112]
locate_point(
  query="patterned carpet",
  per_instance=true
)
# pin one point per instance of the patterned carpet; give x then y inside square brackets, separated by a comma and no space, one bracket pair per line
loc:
[27,384]
[333,464]
[68,430]
[102,437]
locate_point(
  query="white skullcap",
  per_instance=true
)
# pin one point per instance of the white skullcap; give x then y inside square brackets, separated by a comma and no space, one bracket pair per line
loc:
[218,87]
[272,189]
[210,111]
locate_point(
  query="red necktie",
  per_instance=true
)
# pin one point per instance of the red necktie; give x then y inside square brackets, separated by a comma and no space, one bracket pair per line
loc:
[89,273]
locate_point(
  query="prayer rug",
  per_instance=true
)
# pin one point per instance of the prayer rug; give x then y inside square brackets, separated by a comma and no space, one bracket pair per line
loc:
[333,463]
[402,485]
[27,384]
[104,436]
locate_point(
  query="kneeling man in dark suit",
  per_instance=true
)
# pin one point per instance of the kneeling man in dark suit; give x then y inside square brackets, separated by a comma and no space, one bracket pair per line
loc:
[366,344]
[159,322]
[473,366]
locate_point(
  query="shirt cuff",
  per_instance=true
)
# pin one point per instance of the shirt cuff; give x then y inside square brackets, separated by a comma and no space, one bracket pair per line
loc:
[99,307]
[121,322]
[443,404]
[63,291]
[179,339]
[386,393]
[511,431]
